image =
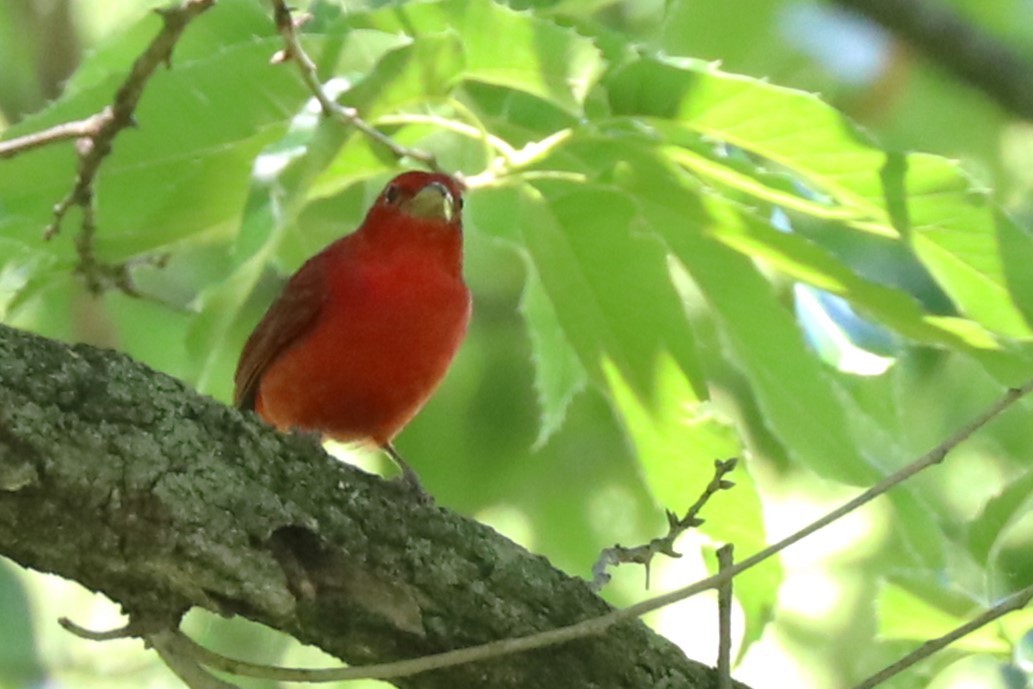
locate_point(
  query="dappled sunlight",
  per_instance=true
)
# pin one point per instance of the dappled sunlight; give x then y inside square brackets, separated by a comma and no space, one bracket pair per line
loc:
[369,459]
[692,624]
[696,231]
[820,597]
[75,662]
[972,477]
[510,521]
[831,338]
[793,502]
[608,510]
[778,661]
[275,159]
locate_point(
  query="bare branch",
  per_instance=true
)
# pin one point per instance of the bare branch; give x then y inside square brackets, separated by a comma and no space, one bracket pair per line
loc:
[597,625]
[294,51]
[94,137]
[134,485]
[94,148]
[125,632]
[184,667]
[88,127]
[644,554]
[929,459]
[725,559]
[1016,601]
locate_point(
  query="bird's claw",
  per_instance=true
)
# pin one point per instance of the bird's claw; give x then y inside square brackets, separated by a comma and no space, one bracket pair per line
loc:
[409,479]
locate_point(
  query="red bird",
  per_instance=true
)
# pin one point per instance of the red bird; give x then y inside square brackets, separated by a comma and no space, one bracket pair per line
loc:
[363,333]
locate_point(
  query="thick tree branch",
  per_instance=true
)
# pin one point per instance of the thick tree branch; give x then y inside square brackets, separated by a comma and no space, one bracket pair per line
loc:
[128,482]
[952,42]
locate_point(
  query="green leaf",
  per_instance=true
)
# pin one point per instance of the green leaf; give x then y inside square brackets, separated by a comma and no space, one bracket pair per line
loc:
[20,664]
[558,374]
[503,47]
[608,287]
[952,230]
[425,69]
[903,616]
[791,386]
[163,181]
[1011,504]
[23,271]
[677,439]
[926,199]
[982,671]
[211,344]
[882,434]
[1002,536]
[800,258]
[1016,248]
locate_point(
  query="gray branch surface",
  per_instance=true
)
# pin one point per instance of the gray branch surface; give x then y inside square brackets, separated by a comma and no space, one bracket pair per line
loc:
[127,481]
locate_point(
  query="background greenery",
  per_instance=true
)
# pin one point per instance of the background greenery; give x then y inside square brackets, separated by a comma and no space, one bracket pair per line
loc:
[673,262]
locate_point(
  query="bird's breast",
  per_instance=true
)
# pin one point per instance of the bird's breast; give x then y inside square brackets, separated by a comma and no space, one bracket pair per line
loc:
[380,346]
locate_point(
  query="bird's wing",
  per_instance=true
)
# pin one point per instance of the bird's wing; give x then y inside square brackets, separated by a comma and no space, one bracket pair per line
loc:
[293,312]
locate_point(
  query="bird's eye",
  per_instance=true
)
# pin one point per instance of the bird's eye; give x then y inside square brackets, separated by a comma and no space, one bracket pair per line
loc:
[459,202]
[392,194]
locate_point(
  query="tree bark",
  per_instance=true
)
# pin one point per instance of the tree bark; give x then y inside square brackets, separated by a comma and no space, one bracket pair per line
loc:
[130,483]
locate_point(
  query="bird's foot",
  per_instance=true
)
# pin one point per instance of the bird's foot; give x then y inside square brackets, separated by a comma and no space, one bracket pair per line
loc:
[409,479]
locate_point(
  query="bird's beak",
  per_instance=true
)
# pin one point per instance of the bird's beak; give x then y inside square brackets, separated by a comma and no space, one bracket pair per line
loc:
[432,202]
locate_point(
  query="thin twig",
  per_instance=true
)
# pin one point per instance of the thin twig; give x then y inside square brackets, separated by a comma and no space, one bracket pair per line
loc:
[94,136]
[87,127]
[725,559]
[95,146]
[1016,601]
[644,554]
[597,625]
[184,665]
[121,633]
[294,51]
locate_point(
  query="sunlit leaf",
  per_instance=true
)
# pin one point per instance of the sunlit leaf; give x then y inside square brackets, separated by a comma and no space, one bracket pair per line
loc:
[538,57]
[903,615]
[678,438]
[559,374]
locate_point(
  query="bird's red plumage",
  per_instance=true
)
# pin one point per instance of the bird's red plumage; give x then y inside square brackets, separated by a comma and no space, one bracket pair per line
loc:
[363,333]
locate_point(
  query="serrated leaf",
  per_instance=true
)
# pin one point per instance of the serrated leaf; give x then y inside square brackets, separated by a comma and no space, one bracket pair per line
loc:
[800,258]
[164,181]
[927,200]
[1000,511]
[558,374]
[677,438]
[952,230]
[790,384]
[609,288]
[1001,538]
[538,57]
[425,69]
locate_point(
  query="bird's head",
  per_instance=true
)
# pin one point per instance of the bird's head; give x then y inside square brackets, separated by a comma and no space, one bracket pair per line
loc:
[428,196]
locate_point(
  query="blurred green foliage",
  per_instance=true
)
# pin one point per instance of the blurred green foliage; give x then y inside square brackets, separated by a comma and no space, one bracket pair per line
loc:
[672,263]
